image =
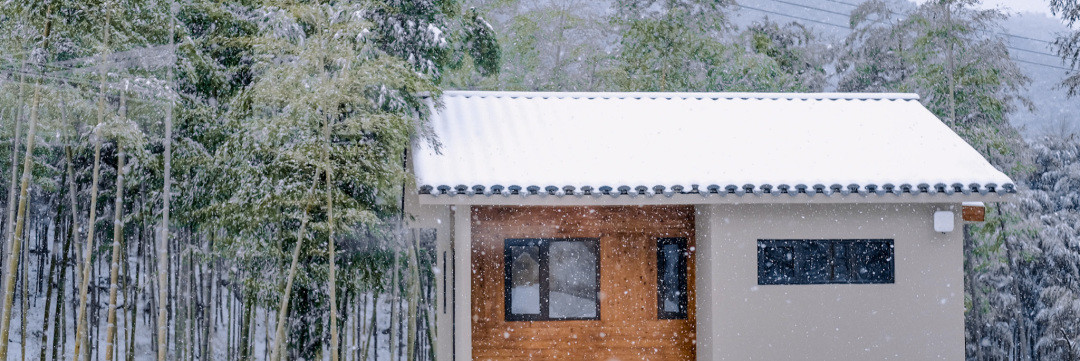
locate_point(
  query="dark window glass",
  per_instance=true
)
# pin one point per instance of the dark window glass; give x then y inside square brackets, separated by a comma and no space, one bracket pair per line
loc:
[776,262]
[875,263]
[671,255]
[552,279]
[816,258]
[825,261]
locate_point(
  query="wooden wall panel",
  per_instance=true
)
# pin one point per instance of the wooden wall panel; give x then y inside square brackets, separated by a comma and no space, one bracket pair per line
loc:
[628,328]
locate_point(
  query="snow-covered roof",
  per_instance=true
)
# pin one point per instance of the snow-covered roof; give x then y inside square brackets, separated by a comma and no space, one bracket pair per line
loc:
[607,145]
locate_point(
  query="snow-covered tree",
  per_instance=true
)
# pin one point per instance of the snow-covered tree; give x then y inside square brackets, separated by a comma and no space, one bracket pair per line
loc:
[1068,44]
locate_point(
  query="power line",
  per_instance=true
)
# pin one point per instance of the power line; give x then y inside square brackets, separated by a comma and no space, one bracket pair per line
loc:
[841,2]
[846,15]
[1026,38]
[1032,51]
[795,17]
[894,13]
[1041,64]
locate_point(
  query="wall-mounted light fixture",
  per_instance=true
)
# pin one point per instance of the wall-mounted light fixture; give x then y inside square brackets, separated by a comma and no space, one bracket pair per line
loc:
[944,221]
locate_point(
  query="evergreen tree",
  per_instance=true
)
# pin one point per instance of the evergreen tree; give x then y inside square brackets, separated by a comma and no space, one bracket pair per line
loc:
[679,46]
[1068,44]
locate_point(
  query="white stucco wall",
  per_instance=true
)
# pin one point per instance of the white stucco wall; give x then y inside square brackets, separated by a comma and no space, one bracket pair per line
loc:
[920,317]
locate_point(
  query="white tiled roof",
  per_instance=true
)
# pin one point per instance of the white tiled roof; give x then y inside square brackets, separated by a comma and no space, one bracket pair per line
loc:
[720,143]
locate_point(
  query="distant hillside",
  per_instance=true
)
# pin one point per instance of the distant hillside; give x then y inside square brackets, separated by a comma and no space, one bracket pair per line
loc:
[1054,112]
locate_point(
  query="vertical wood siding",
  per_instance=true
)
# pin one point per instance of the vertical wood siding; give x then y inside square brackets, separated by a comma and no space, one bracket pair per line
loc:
[628,329]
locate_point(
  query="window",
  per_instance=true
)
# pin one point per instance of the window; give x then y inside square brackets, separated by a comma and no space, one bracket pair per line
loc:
[671,255]
[796,262]
[552,279]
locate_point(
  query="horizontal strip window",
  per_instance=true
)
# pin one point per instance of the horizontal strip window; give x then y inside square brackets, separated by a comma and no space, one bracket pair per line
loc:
[552,279]
[825,261]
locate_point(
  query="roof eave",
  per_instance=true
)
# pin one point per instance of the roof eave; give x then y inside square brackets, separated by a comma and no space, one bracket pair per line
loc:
[543,199]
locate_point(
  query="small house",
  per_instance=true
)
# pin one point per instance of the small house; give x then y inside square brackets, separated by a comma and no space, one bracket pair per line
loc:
[708,226]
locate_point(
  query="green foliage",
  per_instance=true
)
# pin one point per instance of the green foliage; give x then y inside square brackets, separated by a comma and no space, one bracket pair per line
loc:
[1068,43]
[795,50]
[667,52]
[901,50]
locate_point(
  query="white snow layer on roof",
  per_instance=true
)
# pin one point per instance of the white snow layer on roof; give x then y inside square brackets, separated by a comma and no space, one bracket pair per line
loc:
[724,141]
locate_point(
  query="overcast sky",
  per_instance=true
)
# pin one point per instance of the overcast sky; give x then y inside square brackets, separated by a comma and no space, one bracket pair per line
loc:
[1035,6]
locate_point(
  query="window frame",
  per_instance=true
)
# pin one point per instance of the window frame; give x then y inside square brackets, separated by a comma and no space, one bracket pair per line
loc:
[801,272]
[684,304]
[543,245]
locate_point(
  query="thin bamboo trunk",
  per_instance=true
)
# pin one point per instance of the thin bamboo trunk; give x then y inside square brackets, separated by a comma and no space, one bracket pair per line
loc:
[72,189]
[366,350]
[60,315]
[163,241]
[9,226]
[130,355]
[279,338]
[118,236]
[208,336]
[332,255]
[229,323]
[245,323]
[414,296]
[1020,329]
[25,303]
[48,296]
[395,316]
[80,332]
[431,330]
[180,325]
[361,316]
[266,335]
[950,70]
[345,326]
[125,291]
[20,219]
[17,235]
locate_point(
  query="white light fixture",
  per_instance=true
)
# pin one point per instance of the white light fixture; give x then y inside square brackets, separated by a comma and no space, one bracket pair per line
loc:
[944,221]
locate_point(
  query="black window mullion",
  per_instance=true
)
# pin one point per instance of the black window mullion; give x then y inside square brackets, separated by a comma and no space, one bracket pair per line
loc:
[545,278]
[832,261]
[596,250]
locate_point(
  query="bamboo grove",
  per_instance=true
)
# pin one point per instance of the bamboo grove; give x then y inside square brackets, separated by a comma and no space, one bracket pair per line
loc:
[219,180]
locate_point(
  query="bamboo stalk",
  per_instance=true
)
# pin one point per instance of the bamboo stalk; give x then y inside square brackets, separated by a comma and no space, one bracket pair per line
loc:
[25,287]
[414,296]
[275,353]
[9,226]
[394,298]
[371,329]
[74,223]
[11,249]
[88,247]
[332,255]
[59,317]
[20,220]
[118,236]
[48,296]
[163,241]
[208,345]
